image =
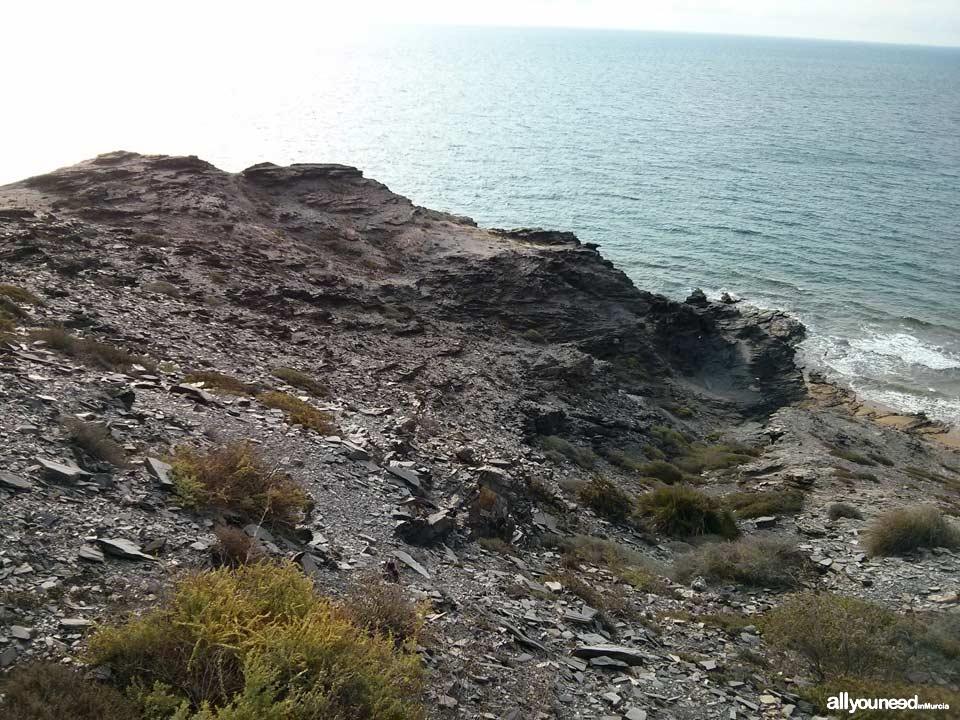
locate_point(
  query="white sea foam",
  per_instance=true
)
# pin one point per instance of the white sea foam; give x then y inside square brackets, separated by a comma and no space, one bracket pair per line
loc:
[908,349]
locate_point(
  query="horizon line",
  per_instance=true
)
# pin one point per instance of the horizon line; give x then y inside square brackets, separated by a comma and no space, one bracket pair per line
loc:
[662,31]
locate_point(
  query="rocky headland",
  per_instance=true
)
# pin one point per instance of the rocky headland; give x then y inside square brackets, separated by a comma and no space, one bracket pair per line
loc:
[605,503]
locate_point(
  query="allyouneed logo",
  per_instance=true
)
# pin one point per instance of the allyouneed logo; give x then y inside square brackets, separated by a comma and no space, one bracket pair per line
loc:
[843,701]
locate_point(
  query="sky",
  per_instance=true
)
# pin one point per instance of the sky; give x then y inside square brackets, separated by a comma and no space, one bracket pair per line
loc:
[84,77]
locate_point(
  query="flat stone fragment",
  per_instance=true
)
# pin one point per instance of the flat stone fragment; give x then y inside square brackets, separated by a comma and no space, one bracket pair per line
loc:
[90,554]
[62,471]
[162,471]
[10,481]
[122,548]
[75,623]
[408,560]
[20,632]
[617,652]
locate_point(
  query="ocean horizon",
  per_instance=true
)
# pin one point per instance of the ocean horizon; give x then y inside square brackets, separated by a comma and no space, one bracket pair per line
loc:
[818,177]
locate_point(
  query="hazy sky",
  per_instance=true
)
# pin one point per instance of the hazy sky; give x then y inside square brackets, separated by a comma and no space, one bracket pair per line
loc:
[903,21]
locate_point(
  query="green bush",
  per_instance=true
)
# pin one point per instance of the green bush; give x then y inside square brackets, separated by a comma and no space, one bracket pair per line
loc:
[300,380]
[606,499]
[299,412]
[662,470]
[258,643]
[681,511]
[904,530]
[759,562]
[235,478]
[766,502]
[700,457]
[47,691]
[836,636]
[554,444]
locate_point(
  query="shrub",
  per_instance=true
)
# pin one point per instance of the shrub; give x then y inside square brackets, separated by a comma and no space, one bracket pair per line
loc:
[767,502]
[662,470]
[533,335]
[219,382]
[90,351]
[859,687]
[257,642]
[234,547]
[843,510]
[19,295]
[851,456]
[681,511]
[907,529]
[625,459]
[598,551]
[606,499]
[699,457]
[760,562]
[383,609]
[584,457]
[845,474]
[496,545]
[610,602]
[235,478]
[837,636]
[299,412]
[95,440]
[297,379]
[47,691]
[161,287]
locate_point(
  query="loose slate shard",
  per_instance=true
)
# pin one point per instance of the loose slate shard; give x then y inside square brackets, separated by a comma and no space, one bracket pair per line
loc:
[194,393]
[162,471]
[411,478]
[408,560]
[121,548]
[9,481]
[62,471]
[617,652]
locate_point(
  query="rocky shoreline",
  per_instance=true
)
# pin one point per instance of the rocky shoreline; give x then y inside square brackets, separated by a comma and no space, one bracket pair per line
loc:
[479,382]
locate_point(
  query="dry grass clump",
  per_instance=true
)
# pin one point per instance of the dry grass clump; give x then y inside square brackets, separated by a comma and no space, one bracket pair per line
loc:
[626,563]
[857,458]
[161,287]
[258,642]
[758,562]
[301,380]
[843,510]
[610,602]
[836,636]
[383,609]
[47,691]
[220,382]
[662,470]
[235,548]
[235,478]
[606,499]
[299,412]
[95,440]
[556,448]
[681,511]
[19,295]
[767,502]
[698,457]
[907,529]
[89,351]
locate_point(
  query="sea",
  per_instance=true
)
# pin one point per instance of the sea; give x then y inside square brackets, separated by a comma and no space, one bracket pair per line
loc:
[817,177]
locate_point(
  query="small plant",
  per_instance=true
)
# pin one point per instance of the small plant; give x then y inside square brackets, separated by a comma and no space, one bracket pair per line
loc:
[758,562]
[299,412]
[19,295]
[697,458]
[89,351]
[662,470]
[497,545]
[859,687]
[533,335]
[161,287]
[837,636]
[258,642]
[902,531]
[606,499]
[95,440]
[235,548]
[48,691]
[843,510]
[851,456]
[235,478]
[300,380]
[768,502]
[845,474]
[383,609]
[681,511]
[554,445]
[219,382]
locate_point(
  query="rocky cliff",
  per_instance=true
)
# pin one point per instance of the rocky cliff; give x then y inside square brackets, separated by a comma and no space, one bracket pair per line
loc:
[484,387]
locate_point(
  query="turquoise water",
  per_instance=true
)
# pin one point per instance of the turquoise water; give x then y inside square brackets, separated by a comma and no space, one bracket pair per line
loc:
[822,178]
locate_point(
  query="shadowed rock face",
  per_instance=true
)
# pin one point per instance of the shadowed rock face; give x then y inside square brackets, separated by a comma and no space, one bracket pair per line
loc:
[346,246]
